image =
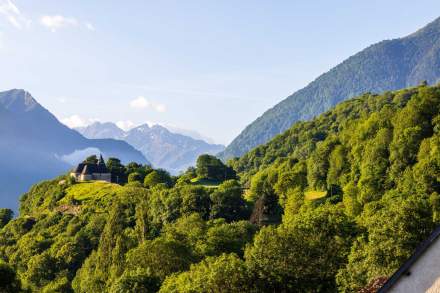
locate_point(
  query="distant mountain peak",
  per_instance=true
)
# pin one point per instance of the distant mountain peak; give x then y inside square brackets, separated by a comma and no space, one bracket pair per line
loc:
[159,127]
[18,100]
[108,124]
[144,128]
[101,130]
[165,149]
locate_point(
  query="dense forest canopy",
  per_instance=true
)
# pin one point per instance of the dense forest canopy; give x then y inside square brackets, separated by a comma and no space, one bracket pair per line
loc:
[330,205]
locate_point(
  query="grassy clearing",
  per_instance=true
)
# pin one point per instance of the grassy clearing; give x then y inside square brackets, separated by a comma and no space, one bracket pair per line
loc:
[92,190]
[314,194]
[205,182]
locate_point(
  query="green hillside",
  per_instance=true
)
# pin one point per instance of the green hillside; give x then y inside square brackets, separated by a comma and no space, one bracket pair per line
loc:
[387,65]
[330,205]
[378,159]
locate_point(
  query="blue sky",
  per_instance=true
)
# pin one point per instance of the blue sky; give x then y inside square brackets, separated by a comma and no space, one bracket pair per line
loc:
[209,66]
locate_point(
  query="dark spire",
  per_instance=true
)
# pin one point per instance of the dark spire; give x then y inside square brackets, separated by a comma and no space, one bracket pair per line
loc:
[102,168]
[101,160]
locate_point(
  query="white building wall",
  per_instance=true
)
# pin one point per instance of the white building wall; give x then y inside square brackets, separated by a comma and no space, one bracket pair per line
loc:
[424,273]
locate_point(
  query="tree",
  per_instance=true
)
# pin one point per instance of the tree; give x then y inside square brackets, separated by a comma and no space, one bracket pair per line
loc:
[156,177]
[318,164]
[294,202]
[93,159]
[374,166]
[139,280]
[226,273]
[294,177]
[6,215]
[337,166]
[135,177]
[8,279]
[42,269]
[188,230]
[191,172]
[90,278]
[211,168]
[61,284]
[224,237]
[133,167]
[210,238]
[142,227]
[376,253]
[303,255]
[161,256]
[228,202]
[195,199]
[267,209]
[117,170]
[163,206]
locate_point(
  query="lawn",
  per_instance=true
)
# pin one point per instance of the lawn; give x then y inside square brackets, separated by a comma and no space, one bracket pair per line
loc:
[314,194]
[92,189]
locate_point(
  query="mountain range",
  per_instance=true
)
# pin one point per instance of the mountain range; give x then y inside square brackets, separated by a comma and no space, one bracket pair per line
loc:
[34,145]
[388,65]
[164,149]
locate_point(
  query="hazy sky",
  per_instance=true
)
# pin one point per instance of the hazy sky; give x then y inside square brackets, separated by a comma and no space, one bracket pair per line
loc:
[209,66]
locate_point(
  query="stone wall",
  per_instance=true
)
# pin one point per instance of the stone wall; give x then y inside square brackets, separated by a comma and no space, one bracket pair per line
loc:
[102,177]
[95,176]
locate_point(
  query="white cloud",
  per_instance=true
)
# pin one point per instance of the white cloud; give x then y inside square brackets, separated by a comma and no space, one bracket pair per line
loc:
[78,155]
[125,125]
[89,26]
[160,108]
[142,103]
[13,14]
[77,121]
[54,22]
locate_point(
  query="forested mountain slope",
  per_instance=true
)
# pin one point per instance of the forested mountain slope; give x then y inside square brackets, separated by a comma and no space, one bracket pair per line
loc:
[337,202]
[388,65]
[376,157]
